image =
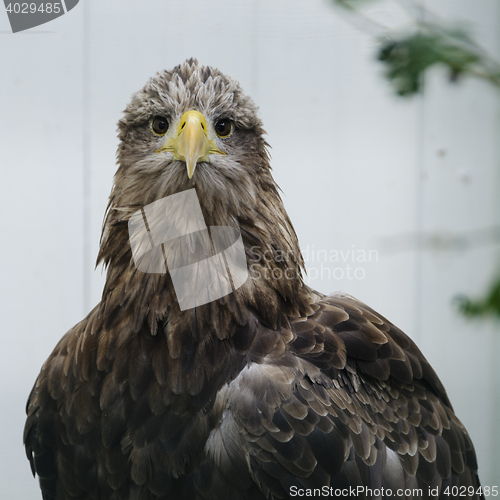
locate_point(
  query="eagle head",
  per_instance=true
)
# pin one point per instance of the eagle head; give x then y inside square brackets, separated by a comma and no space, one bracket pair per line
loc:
[193,128]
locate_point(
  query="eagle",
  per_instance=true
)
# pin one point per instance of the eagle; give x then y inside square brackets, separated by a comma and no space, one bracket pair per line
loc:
[234,380]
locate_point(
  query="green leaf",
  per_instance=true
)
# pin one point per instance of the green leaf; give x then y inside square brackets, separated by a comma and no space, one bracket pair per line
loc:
[488,306]
[407,59]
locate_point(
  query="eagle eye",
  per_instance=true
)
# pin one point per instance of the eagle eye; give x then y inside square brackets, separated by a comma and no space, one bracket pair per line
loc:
[223,127]
[159,125]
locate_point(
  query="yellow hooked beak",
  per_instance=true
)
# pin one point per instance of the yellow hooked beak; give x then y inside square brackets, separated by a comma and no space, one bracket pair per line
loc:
[191,143]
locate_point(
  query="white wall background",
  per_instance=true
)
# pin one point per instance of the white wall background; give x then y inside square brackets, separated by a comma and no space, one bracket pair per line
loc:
[360,170]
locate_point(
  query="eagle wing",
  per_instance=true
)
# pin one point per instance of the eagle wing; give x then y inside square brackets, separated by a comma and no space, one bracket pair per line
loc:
[352,402]
[338,399]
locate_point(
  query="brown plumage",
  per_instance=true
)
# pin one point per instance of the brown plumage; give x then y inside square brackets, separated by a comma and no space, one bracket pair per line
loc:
[271,389]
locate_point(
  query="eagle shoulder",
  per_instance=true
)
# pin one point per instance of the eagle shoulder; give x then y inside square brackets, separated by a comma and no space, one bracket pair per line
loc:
[351,402]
